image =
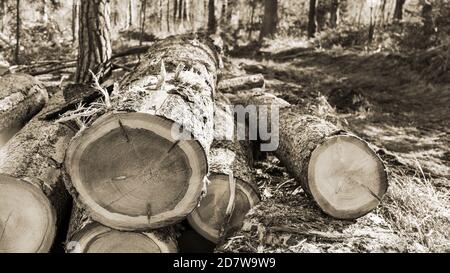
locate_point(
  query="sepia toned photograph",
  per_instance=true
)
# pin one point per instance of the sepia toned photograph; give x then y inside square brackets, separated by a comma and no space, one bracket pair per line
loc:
[224,127]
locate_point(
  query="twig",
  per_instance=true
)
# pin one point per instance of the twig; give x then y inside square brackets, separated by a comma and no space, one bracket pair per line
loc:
[315,233]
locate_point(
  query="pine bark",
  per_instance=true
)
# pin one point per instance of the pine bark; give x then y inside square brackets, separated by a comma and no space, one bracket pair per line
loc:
[94,39]
[34,157]
[21,97]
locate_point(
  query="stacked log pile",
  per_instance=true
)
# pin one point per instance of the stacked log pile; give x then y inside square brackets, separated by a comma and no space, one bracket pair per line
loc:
[159,149]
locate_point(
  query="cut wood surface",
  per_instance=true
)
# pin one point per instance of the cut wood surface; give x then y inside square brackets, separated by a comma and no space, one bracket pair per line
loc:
[339,170]
[33,199]
[241,83]
[231,181]
[21,97]
[130,168]
[88,236]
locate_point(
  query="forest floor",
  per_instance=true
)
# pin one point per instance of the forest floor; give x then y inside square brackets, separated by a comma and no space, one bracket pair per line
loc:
[385,100]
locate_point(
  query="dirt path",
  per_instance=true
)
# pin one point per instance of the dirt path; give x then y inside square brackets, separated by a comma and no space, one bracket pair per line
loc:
[384,101]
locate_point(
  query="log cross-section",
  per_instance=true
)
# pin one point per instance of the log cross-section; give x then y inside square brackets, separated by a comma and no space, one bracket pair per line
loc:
[228,163]
[339,170]
[143,164]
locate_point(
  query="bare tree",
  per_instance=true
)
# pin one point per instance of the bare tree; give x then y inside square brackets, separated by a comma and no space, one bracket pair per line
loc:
[94,38]
[312,18]
[270,19]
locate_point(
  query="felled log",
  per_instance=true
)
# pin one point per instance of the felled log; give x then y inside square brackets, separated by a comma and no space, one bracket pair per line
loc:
[339,170]
[33,199]
[88,236]
[231,192]
[21,97]
[133,168]
[241,83]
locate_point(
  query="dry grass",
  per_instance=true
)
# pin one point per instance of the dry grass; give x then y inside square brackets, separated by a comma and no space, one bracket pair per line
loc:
[418,212]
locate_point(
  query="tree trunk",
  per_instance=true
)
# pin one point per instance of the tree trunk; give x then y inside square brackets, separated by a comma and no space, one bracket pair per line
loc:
[44,12]
[270,19]
[175,12]
[159,170]
[232,191]
[252,16]
[143,17]
[341,173]
[2,15]
[312,18]
[88,236]
[168,16]
[334,13]
[398,11]
[17,51]
[94,39]
[21,97]
[212,23]
[33,199]
[75,20]
[130,14]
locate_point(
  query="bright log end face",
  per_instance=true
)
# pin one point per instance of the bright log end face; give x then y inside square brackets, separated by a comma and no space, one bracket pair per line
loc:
[96,238]
[132,174]
[27,220]
[209,217]
[122,242]
[346,178]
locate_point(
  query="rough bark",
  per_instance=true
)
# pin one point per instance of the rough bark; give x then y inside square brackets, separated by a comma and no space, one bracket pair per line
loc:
[241,83]
[87,236]
[30,166]
[270,19]
[312,18]
[232,192]
[94,39]
[21,97]
[303,139]
[173,87]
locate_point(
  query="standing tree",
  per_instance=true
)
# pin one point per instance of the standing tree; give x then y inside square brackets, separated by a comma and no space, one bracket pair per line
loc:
[94,39]
[398,11]
[312,18]
[143,16]
[17,51]
[2,14]
[270,19]
[212,23]
[75,22]
[334,13]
